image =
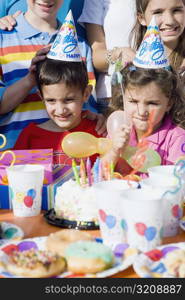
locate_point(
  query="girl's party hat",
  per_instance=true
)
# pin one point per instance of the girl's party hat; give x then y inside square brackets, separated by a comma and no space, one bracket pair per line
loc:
[151,53]
[65,46]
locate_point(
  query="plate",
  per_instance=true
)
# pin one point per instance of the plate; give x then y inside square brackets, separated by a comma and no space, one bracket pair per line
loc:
[10,232]
[150,264]
[182,223]
[51,218]
[39,243]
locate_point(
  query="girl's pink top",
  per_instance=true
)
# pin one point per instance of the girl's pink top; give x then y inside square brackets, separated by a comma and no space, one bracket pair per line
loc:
[168,141]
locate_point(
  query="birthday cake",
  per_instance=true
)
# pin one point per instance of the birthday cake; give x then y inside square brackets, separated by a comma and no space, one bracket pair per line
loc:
[76,203]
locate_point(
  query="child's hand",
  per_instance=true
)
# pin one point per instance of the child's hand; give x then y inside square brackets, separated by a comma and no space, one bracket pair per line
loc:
[120,139]
[101,122]
[8,22]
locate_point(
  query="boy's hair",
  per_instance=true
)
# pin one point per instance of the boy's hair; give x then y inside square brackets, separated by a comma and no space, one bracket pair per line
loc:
[138,32]
[52,71]
[168,81]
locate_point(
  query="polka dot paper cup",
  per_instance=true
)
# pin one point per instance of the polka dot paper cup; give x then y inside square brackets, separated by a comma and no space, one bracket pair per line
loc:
[142,218]
[25,189]
[108,199]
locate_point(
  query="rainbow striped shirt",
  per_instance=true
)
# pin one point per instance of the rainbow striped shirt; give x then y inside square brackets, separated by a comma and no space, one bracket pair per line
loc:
[17,48]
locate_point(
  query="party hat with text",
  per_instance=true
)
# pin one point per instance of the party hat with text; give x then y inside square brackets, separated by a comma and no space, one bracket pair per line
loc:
[151,53]
[65,46]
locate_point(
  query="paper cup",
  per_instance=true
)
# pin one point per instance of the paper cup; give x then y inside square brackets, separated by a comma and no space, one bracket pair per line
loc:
[142,218]
[171,202]
[108,198]
[25,189]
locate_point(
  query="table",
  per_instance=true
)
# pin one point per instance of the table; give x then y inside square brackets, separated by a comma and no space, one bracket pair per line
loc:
[37,226]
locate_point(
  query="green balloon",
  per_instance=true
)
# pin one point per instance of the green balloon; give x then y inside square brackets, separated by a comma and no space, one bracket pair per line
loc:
[152,158]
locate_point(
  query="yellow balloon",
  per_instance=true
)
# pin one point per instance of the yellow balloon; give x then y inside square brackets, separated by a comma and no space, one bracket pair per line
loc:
[82,144]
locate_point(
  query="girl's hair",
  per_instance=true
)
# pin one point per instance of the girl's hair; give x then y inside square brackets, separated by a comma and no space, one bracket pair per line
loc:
[168,81]
[138,32]
[52,71]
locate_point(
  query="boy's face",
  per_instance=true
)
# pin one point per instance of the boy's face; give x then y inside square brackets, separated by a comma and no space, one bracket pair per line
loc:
[64,104]
[44,8]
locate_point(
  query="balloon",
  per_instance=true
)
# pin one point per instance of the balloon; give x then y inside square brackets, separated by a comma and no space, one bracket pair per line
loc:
[152,158]
[110,221]
[19,197]
[177,211]
[102,215]
[140,228]
[28,201]
[31,193]
[150,233]
[81,144]
[114,121]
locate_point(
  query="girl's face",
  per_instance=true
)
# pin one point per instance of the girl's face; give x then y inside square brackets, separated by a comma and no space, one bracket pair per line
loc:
[44,8]
[170,17]
[140,101]
[64,104]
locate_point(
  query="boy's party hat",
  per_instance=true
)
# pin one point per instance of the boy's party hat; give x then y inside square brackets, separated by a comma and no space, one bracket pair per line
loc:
[151,53]
[65,46]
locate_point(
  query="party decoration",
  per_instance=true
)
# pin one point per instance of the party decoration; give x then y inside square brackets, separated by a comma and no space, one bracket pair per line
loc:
[110,221]
[28,201]
[19,197]
[88,168]
[82,173]
[81,144]
[75,171]
[102,215]
[26,245]
[9,249]
[149,158]
[150,233]
[114,121]
[124,224]
[154,254]
[151,53]
[177,211]
[140,228]
[32,193]
[65,46]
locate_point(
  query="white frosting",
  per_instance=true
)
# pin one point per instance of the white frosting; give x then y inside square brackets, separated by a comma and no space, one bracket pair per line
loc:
[72,202]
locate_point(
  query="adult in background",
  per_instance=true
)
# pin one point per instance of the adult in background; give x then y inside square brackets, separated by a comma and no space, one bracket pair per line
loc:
[108,24]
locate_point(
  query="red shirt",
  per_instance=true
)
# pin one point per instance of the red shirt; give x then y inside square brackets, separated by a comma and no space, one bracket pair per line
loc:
[34,137]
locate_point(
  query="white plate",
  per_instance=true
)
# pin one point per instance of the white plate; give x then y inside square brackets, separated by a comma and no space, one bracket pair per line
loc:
[150,264]
[39,243]
[10,232]
[182,223]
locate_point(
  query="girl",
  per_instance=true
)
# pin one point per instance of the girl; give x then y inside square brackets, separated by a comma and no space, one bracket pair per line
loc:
[170,18]
[146,91]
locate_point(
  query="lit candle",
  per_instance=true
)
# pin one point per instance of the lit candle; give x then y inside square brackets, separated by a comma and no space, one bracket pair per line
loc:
[88,168]
[75,171]
[82,173]
[96,170]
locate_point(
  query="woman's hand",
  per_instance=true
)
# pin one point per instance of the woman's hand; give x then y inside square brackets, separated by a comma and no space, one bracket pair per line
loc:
[8,22]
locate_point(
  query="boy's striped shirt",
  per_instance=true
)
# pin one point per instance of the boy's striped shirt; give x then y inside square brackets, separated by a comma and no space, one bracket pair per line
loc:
[17,48]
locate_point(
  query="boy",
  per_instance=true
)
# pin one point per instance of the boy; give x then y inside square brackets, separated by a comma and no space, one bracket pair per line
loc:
[19,102]
[64,88]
